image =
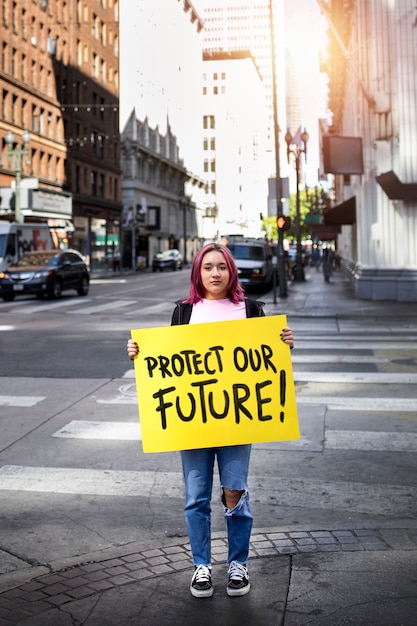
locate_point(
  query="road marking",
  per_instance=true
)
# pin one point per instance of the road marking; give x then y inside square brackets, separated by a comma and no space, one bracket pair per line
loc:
[338,358]
[360,404]
[100,308]
[393,378]
[343,343]
[367,440]
[54,305]
[21,401]
[6,328]
[335,439]
[375,499]
[116,431]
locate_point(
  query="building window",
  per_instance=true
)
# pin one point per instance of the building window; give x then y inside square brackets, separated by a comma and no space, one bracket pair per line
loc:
[93,183]
[22,67]
[4,103]
[102,186]
[23,22]
[14,12]
[14,53]
[14,109]
[3,56]
[77,179]
[23,104]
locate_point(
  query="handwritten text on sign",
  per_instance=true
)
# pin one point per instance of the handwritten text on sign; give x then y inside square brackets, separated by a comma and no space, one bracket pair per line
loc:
[216,384]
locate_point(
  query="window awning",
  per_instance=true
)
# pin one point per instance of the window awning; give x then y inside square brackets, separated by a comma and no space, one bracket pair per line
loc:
[395,189]
[343,213]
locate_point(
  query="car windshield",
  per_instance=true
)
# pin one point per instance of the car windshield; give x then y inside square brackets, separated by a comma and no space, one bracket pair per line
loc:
[167,254]
[38,258]
[246,251]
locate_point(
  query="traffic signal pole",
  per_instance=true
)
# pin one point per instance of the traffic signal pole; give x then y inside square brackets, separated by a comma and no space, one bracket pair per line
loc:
[282,274]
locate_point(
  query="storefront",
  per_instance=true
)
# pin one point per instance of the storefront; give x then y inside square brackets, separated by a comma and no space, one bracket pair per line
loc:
[97,236]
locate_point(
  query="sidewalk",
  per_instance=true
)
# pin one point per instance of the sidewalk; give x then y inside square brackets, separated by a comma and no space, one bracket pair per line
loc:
[327,576]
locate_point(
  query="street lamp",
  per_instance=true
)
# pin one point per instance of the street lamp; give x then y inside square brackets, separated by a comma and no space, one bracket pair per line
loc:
[294,148]
[16,153]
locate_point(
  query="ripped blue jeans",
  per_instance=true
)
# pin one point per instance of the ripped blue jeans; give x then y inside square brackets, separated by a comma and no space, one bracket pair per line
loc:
[233,465]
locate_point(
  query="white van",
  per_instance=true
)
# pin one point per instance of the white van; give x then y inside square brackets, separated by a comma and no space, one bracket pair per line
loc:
[253,258]
[16,239]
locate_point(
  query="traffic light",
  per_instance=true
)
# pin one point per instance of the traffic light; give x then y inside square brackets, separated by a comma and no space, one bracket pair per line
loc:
[283,222]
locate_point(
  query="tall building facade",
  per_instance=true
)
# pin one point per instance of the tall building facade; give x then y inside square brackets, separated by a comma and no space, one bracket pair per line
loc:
[60,83]
[371,149]
[234,144]
[232,26]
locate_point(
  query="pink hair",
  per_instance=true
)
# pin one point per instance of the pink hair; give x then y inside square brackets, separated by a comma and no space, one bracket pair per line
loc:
[197,292]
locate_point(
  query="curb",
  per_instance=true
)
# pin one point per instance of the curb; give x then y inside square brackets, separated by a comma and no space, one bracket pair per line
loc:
[67,581]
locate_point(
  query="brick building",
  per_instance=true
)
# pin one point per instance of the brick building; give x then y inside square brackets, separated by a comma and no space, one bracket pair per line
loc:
[59,80]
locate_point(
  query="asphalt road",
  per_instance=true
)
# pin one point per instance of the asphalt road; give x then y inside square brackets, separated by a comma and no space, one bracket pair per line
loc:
[78,337]
[74,479]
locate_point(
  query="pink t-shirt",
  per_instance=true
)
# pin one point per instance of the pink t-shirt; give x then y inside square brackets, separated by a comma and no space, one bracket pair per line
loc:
[217,311]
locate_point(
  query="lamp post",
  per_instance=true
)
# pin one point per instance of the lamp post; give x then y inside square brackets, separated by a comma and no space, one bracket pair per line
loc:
[16,153]
[294,148]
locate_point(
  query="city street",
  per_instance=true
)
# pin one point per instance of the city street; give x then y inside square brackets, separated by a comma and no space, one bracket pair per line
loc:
[76,487]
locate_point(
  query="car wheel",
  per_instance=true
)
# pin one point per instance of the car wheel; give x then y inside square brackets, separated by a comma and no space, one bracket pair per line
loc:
[84,286]
[55,291]
[9,297]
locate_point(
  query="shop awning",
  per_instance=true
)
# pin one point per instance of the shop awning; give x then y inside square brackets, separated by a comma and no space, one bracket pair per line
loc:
[395,189]
[343,213]
[325,232]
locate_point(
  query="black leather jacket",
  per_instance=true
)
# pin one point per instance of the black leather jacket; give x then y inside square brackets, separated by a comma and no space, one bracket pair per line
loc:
[182,311]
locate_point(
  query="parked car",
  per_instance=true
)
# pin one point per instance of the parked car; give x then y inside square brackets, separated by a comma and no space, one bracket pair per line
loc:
[168,259]
[45,273]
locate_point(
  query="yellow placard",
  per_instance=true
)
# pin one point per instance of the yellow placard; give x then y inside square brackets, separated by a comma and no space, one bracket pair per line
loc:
[215,384]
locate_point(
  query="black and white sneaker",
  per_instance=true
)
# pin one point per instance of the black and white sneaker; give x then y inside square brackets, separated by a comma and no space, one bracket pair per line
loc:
[238,580]
[201,586]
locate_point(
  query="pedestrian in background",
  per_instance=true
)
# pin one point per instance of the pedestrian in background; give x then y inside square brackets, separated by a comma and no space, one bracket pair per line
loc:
[328,261]
[216,295]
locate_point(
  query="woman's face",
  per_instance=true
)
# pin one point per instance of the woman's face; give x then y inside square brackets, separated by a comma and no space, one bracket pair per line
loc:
[215,275]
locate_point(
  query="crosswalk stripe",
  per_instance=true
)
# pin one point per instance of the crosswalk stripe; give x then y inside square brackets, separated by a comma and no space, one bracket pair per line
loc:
[51,306]
[21,401]
[334,439]
[366,498]
[100,308]
[395,378]
[367,440]
[359,404]
[89,429]
[344,343]
[338,358]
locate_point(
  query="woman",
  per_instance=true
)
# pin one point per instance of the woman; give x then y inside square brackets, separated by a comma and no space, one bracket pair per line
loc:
[216,295]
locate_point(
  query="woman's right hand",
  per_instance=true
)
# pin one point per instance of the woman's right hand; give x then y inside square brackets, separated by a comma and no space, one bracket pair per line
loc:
[132,349]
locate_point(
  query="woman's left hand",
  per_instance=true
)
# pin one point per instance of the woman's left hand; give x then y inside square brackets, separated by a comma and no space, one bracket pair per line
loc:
[287,336]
